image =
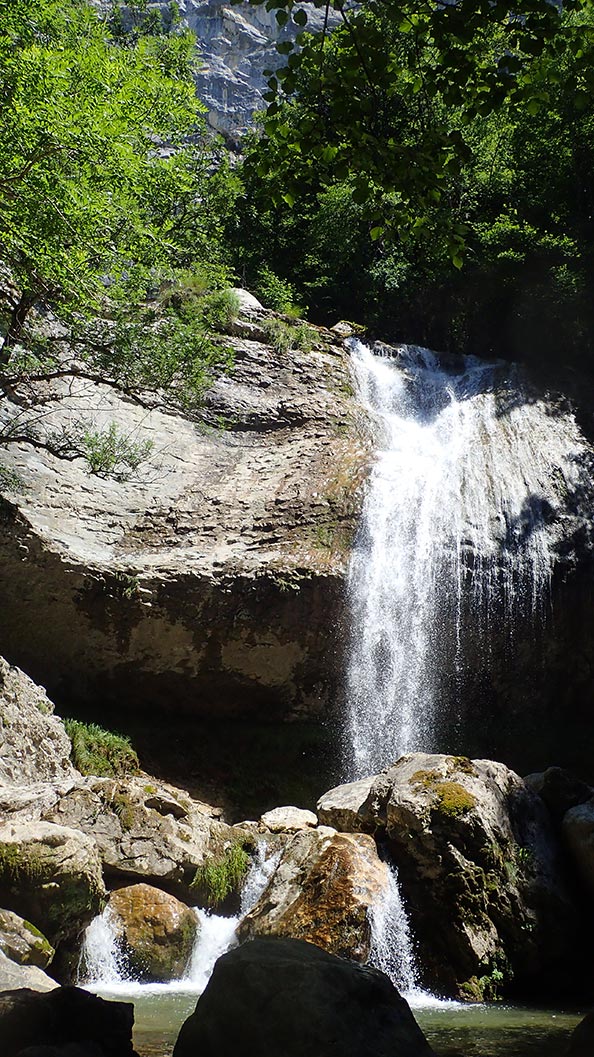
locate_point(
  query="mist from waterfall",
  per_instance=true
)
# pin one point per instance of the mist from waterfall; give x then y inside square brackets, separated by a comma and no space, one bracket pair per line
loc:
[458,534]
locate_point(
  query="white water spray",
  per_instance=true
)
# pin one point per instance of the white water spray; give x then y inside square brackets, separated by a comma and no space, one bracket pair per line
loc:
[102,964]
[459,523]
[391,940]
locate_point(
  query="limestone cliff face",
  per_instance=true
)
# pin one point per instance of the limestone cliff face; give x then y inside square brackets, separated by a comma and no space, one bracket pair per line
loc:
[211,583]
[235,44]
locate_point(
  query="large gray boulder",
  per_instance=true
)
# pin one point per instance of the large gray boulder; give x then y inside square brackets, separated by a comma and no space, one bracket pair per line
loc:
[34,746]
[480,869]
[144,829]
[323,890]
[14,976]
[578,832]
[289,998]
[23,942]
[50,875]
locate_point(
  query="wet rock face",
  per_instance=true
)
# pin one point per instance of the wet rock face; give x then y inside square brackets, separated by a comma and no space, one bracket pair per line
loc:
[322,891]
[479,866]
[156,932]
[207,584]
[279,996]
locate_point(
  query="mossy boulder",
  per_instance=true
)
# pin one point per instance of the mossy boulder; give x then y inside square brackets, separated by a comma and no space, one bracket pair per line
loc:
[23,942]
[480,869]
[51,876]
[156,932]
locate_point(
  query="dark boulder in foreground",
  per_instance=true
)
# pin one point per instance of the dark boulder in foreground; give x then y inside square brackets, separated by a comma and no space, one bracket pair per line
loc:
[582,1040]
[287,997]
[67,1020]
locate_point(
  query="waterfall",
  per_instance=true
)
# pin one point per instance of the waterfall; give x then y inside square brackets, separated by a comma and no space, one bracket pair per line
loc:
[102,964]
[459,529]
[391,940]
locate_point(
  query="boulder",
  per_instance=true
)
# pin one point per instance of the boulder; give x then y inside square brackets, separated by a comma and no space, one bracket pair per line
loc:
[33,743]
[288,819]
[322,891]
[289,998]
[156,932]
[13,976]
[23,942]
[581,1043]
[65,1018]
[145,829]
[480,871]
[578,832]
[50,875]
[345,807]
[560,790]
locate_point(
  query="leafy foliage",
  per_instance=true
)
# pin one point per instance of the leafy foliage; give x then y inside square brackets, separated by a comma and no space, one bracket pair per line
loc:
[217,879]
[523,199]
[100,752]
[367,102]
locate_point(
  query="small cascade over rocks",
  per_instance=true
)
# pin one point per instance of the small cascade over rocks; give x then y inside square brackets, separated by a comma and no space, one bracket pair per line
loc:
[392,948]
[466,507]
[103,966]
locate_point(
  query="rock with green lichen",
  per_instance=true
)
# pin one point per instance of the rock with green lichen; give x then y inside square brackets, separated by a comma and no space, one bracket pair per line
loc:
[479,866]
[145,830]
[22,942]
[51,876]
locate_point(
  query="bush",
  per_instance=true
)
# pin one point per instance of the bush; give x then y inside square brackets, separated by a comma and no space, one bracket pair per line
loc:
[283,337]
[219,878]
[100,752]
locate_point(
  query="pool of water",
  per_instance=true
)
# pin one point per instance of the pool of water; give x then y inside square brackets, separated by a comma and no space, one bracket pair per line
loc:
[453,1029]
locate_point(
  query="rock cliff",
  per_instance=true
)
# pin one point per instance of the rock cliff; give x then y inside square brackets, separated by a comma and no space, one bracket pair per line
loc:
[208,584]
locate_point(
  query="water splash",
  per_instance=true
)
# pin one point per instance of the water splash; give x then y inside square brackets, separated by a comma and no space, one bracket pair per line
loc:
[392,948]
[102,964]
[101,959]
[459,529]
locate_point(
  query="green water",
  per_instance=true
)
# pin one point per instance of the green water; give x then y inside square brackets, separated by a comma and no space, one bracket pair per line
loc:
[453,1030]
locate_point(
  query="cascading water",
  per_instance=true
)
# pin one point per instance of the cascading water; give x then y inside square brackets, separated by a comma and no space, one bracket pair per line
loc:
[458,529]
[102,964]
[392,948]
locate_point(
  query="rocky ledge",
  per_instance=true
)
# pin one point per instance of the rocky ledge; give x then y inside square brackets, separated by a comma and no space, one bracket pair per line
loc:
[207,582]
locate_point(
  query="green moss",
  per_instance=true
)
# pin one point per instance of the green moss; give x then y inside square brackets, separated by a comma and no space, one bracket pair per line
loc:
[18,869]
[100,752]
[453,799]
[124,809]
[428,779]
[219,878]
[462,763]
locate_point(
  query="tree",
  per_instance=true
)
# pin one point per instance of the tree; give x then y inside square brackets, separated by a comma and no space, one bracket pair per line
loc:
[102,159]
[367,102]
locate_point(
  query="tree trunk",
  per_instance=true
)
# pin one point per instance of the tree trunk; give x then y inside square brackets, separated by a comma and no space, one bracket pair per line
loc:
[18,319]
